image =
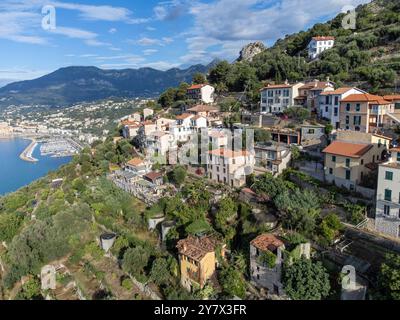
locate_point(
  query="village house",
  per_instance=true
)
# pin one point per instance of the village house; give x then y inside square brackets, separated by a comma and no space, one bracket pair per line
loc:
[159,142]
[130,129]
[329,103]
[137,166]
[230,167]
[271,157]
[264,274]
[395,99]
[146,128]
[155,178]
[353,156]
[211,113]
[198,122]
[367,113]
[277,98]
[387,218]
[198,260]
[201,92]
[182,129]
[318,45]
[310,92]
[163,124]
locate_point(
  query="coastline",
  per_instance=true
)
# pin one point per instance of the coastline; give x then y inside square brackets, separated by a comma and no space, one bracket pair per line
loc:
[26,155]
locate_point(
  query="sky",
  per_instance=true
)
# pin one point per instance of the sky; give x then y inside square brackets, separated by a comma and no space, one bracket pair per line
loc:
[121,34]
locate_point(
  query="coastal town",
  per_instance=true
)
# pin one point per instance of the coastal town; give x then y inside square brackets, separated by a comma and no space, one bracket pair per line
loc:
[233,186]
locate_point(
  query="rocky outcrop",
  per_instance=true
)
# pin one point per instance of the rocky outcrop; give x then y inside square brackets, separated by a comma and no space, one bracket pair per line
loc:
[251,50]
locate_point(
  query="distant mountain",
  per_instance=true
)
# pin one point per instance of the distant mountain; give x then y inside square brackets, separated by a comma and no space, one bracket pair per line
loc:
[79,84]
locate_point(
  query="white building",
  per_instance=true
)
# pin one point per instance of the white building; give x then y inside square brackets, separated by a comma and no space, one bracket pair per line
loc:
[387,219]
[160,142]
[329,103]
[201,92]
[277,98]
[198,122]
[182,129]
[318,45]
[230,167]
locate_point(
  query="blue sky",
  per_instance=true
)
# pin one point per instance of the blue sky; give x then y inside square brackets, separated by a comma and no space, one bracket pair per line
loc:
[145,33]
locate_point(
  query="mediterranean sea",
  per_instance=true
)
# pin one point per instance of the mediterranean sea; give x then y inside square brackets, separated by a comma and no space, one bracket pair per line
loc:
[16,173]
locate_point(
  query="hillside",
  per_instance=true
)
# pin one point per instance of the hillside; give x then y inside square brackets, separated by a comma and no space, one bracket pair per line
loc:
[367,57]
[370,53]
[77,84]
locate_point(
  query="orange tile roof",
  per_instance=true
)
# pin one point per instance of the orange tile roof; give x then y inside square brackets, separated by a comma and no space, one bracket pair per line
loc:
[197,86]
[266,242]
[135,162]
[322,38]
[365,97]
[392,97]
[228,153]
[197,247]
[347,149]
[153,175]
[337,91]
[397,149]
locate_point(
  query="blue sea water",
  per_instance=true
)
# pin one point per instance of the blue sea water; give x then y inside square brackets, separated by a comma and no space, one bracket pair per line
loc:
[16,173]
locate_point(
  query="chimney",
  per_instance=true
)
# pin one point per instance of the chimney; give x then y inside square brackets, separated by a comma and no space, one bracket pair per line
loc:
[286,81]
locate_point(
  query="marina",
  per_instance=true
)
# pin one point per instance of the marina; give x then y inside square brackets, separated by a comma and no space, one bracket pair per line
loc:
[58,148]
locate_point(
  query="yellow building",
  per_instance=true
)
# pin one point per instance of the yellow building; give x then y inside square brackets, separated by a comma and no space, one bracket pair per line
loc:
[367,113]
[352,156]
[197,259]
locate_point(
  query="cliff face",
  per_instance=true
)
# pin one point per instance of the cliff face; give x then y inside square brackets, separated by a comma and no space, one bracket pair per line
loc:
[251,50]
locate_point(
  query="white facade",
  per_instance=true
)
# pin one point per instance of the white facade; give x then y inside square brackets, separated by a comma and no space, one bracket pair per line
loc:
[387,219]
[198,122]
[182,129]
[230,167]
[201,92]
[329,104]
[318,45]
[277,98]
[160,142]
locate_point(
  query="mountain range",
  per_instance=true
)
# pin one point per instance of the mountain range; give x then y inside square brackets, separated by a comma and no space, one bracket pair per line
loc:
[75,84]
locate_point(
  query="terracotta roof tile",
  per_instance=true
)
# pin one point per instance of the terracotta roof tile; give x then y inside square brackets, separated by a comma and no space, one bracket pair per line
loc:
[266,242]
[347,149]
[365,97]
[323,38]
[135,162]
[226,153]
[196,248]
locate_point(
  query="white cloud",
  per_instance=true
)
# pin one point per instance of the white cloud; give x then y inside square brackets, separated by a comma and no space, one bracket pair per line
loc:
[20,27]
[170,10]
[74,33]
[112,30]
[161,65]
[149,52]
[146,42]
